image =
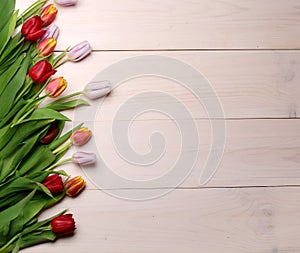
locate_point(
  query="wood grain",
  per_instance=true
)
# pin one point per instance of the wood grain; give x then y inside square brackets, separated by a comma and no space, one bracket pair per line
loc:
[248,84]
[254,220]
[249,53]
[168,24]
[257,153]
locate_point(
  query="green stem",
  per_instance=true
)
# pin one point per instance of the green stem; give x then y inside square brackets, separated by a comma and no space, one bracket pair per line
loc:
[4,248]
[30,11]
[62,148]
[58,164]
[21,94]
[58,64]
[66,97]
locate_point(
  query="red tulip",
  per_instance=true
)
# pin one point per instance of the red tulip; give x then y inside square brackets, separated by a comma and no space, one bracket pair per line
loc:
[32,29]
[54,184]
[41,71]
[46,47]
[74,186]
[48,14]
[63,225]
[51,134]
[56,86]
[81,136]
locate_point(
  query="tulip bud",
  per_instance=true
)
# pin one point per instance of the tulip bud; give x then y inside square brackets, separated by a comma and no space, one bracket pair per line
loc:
[63,225]
[74,186]
[96,90]
[48,14]
[51,134]
[52,31]
[84,158]
[41,71]
[81,136]
[66,2]
[46,47]
[56,86]
[32,29]
[54,184]
[79,51]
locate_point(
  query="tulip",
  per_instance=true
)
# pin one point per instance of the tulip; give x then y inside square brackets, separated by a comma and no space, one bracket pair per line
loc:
[48,14]
[81,136]
[46,47]
[41,71]
[84,158]
[52,31]
[63,225]
[74,186]
[66,2]
[54,184]
[97,89]
[32,29]
[51,133]
[56,86]
[79,51]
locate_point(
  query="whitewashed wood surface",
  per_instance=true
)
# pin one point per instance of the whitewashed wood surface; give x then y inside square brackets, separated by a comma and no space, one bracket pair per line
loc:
[249,52]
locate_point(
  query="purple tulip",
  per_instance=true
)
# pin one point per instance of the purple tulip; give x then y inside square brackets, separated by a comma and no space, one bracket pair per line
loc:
[97,89]
[84,158]
[66,2]
[52,31]
[79,51]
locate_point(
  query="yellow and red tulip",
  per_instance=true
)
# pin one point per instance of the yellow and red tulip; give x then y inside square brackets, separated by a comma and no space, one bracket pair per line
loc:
[48,15]
[81,136]
[56,86]
[74,186]
[46,46]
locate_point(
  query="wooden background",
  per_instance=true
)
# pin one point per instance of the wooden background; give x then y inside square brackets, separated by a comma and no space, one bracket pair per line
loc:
[249,52]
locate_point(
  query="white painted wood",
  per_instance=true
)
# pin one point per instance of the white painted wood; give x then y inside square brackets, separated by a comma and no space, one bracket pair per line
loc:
[169,24]
[257,153]
[206,220]
[254,87]
[249,84]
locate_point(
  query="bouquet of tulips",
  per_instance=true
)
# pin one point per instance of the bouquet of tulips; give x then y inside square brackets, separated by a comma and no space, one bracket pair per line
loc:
[32,145]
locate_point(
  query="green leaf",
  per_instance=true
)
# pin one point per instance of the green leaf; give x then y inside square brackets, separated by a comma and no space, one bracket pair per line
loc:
[8,58]
[17,246]
[7,31]
[14,86]
[16,185]
[17,107]
[20,134]
[9,73]
[37,161]
[67,105]
[16,225]
[10,214]
[45,113]
[6,11]
[11,200]
[10,163]
[37,238]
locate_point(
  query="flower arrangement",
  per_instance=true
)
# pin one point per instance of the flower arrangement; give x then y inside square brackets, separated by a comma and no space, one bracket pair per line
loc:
[32,145]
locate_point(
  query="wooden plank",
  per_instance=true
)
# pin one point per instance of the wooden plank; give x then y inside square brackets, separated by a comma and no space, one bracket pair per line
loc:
[257,153]
[255,220]
[193,24]
[249,84]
